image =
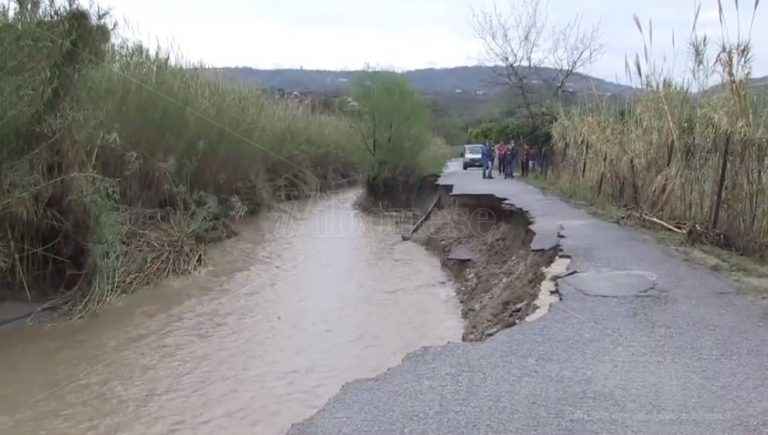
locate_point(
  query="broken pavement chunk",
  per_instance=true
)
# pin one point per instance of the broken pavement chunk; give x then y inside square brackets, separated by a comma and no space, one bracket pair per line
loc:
[461,253]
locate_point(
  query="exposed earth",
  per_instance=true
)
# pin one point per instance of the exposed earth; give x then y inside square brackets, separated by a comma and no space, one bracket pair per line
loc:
[487,249]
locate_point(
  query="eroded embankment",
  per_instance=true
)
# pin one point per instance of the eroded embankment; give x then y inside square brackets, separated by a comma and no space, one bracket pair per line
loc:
[487,248]
[398,194]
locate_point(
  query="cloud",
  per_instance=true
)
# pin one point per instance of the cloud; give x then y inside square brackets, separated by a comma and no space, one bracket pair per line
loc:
[403,34]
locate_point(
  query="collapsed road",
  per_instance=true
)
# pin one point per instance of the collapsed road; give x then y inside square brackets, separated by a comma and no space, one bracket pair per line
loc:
[640,342]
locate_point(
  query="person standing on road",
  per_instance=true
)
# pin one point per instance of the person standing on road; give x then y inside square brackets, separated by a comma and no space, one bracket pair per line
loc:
[491,159]
[501,150]
[509,161]
[483,157]
[525,159]
[487,160]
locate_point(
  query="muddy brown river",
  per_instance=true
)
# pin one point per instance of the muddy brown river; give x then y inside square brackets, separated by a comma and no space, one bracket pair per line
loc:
[304,300]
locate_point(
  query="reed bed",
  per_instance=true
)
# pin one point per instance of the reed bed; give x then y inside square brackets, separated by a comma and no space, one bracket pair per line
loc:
[683,152]
[118,165]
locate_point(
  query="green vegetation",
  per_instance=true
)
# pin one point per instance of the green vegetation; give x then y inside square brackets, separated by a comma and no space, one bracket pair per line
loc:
[696,160]
[117,165]
[394,124]
[514,127]
[398,144]
[394,127]
[451,128]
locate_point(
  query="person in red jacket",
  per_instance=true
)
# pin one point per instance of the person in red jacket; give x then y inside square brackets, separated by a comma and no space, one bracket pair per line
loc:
[501,150]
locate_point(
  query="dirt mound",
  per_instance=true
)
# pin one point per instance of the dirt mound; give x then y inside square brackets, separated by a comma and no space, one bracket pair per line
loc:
[486,247]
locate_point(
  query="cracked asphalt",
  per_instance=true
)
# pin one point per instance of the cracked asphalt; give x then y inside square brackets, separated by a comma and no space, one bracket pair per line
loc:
[642,342]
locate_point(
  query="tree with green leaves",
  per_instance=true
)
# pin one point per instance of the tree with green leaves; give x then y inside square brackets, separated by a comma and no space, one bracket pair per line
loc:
[451,128]
[394,124]
[485,132]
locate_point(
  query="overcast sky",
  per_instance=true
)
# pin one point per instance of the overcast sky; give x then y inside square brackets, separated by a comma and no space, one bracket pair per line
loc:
[397,34]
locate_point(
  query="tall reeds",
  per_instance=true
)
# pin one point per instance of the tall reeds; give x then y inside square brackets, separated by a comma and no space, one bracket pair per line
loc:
[117,165]
[680,150]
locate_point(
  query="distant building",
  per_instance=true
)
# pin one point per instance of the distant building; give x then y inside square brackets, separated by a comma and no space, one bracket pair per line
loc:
[314,102]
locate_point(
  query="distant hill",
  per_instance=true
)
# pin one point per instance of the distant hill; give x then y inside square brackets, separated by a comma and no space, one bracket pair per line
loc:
[469,93]
[759,82]
[465,79]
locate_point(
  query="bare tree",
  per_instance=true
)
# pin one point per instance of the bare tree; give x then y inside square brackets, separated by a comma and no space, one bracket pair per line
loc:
[518,38]
[573,48]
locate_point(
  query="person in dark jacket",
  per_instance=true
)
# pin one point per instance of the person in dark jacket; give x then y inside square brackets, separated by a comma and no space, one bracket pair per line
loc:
[525,159]
[509,161]
[487,158]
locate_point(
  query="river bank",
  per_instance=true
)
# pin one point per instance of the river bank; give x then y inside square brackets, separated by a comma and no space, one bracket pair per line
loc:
[159,261]
[485,245]
[119,164]
[15,313]
[389,201]
[487,249]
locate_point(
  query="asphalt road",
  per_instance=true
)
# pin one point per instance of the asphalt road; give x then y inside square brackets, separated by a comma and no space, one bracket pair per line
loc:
[642,342]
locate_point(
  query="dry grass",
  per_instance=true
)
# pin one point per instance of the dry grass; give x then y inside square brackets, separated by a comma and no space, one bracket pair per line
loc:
[694,159]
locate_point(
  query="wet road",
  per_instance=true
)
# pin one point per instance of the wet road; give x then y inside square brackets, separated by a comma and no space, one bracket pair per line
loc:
[642,342]
[301,302]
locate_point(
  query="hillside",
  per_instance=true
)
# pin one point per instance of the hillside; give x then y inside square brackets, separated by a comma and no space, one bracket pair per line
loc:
[759,82]
[466,79]
[469,93]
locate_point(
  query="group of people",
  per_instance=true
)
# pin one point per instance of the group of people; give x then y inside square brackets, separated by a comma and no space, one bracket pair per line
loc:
[505,156]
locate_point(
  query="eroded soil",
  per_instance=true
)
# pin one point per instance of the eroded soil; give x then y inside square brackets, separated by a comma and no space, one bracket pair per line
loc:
[486,247]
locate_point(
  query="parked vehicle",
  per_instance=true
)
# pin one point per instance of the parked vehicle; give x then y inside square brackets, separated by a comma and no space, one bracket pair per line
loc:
[473,156]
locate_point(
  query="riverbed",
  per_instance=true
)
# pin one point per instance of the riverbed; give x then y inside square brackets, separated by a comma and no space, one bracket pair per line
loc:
[308,297]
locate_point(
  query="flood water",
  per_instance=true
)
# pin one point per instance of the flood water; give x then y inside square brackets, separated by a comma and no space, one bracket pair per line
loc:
[303,301]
